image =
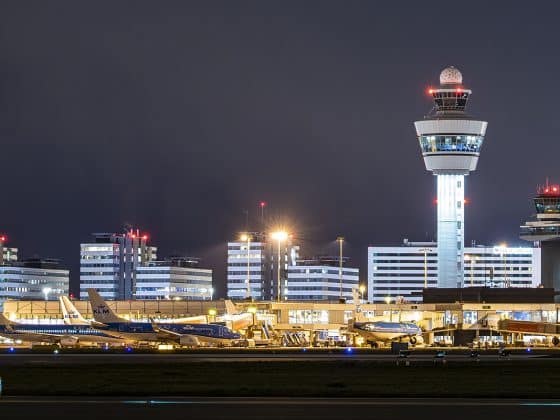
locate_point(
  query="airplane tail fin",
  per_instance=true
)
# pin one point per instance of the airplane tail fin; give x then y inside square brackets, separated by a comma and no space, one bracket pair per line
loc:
[70,313]
[230,307]
[101,311]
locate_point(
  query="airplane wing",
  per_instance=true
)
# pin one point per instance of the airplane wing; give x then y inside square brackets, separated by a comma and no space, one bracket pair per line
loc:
[165,333]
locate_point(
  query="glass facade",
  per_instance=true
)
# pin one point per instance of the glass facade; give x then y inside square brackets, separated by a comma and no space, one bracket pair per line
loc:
[451,143]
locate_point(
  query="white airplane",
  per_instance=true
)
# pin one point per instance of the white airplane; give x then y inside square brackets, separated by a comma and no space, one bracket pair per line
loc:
[234,319]
[380,331]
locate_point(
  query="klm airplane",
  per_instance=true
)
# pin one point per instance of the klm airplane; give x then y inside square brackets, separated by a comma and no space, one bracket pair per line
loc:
[63,335]
[185,334]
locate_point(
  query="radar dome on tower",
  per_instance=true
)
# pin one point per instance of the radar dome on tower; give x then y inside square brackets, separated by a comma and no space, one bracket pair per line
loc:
[450,76]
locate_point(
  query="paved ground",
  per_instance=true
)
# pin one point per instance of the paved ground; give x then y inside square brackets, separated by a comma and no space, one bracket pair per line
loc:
[27,359]
[275,408]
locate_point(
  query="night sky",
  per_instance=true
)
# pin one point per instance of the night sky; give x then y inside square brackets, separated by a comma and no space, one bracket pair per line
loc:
[177,116]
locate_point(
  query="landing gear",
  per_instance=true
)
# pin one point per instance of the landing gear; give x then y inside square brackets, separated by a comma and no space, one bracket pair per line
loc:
[373,344]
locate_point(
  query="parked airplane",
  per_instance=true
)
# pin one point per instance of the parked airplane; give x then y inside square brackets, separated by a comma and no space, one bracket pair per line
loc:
[70,313]
[63,335]
[379,331]
[184,334]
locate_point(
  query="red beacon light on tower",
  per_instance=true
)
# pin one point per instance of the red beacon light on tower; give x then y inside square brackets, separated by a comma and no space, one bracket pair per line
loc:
[550,190]
[3,238]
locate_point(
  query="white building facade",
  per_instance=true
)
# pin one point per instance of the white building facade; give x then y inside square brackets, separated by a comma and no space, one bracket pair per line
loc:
[109,264]
[401,272]
[255,262]
[33,280]
[163,280]
[321,282]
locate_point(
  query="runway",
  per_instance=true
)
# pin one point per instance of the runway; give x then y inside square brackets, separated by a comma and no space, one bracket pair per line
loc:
[276,408]
[132,358]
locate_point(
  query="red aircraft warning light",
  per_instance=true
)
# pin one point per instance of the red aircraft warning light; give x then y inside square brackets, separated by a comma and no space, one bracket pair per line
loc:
[549,189]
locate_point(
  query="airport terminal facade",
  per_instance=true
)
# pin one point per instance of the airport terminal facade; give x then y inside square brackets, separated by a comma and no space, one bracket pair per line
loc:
[457,323]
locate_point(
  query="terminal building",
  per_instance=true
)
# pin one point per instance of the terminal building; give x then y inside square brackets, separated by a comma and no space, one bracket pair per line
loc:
[400,273]
[322,279]
[125,267]
[257,265]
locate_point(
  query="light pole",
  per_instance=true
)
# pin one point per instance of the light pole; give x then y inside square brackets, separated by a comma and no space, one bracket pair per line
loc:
[426,250]
[362,290]
[340,241]
[279,237]
[46,291]
[246,237]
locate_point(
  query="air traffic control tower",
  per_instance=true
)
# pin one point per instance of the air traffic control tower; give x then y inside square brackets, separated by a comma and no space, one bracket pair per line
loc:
[450,141]
[544,231]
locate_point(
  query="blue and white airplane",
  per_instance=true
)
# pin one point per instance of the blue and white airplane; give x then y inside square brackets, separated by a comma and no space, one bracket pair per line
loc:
[185,334]
[63,335]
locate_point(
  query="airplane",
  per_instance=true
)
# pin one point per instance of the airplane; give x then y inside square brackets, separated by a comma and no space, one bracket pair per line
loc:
[380,331]
[234,319]
[192,335]
[63,335]
[70,314]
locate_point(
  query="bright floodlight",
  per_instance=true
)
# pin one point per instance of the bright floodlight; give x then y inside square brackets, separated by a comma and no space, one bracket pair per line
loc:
[387,300]
[279,235]
[362,288]
[244,237]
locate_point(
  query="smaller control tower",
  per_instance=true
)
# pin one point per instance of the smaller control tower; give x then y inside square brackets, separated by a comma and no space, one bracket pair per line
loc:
[450,141]
[544,230]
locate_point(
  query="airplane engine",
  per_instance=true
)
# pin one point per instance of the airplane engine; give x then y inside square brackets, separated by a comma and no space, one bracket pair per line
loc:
[189,341]
[416,339]
[69,341]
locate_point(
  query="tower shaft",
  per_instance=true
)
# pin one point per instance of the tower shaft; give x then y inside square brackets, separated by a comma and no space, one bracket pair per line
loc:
[450,229]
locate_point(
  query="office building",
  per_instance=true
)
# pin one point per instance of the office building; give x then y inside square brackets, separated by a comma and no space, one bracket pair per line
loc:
[33,279]
[450,141]
[544,231]
[402,272]
[257,265]
[109,263]
[322,279]
[177,278]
